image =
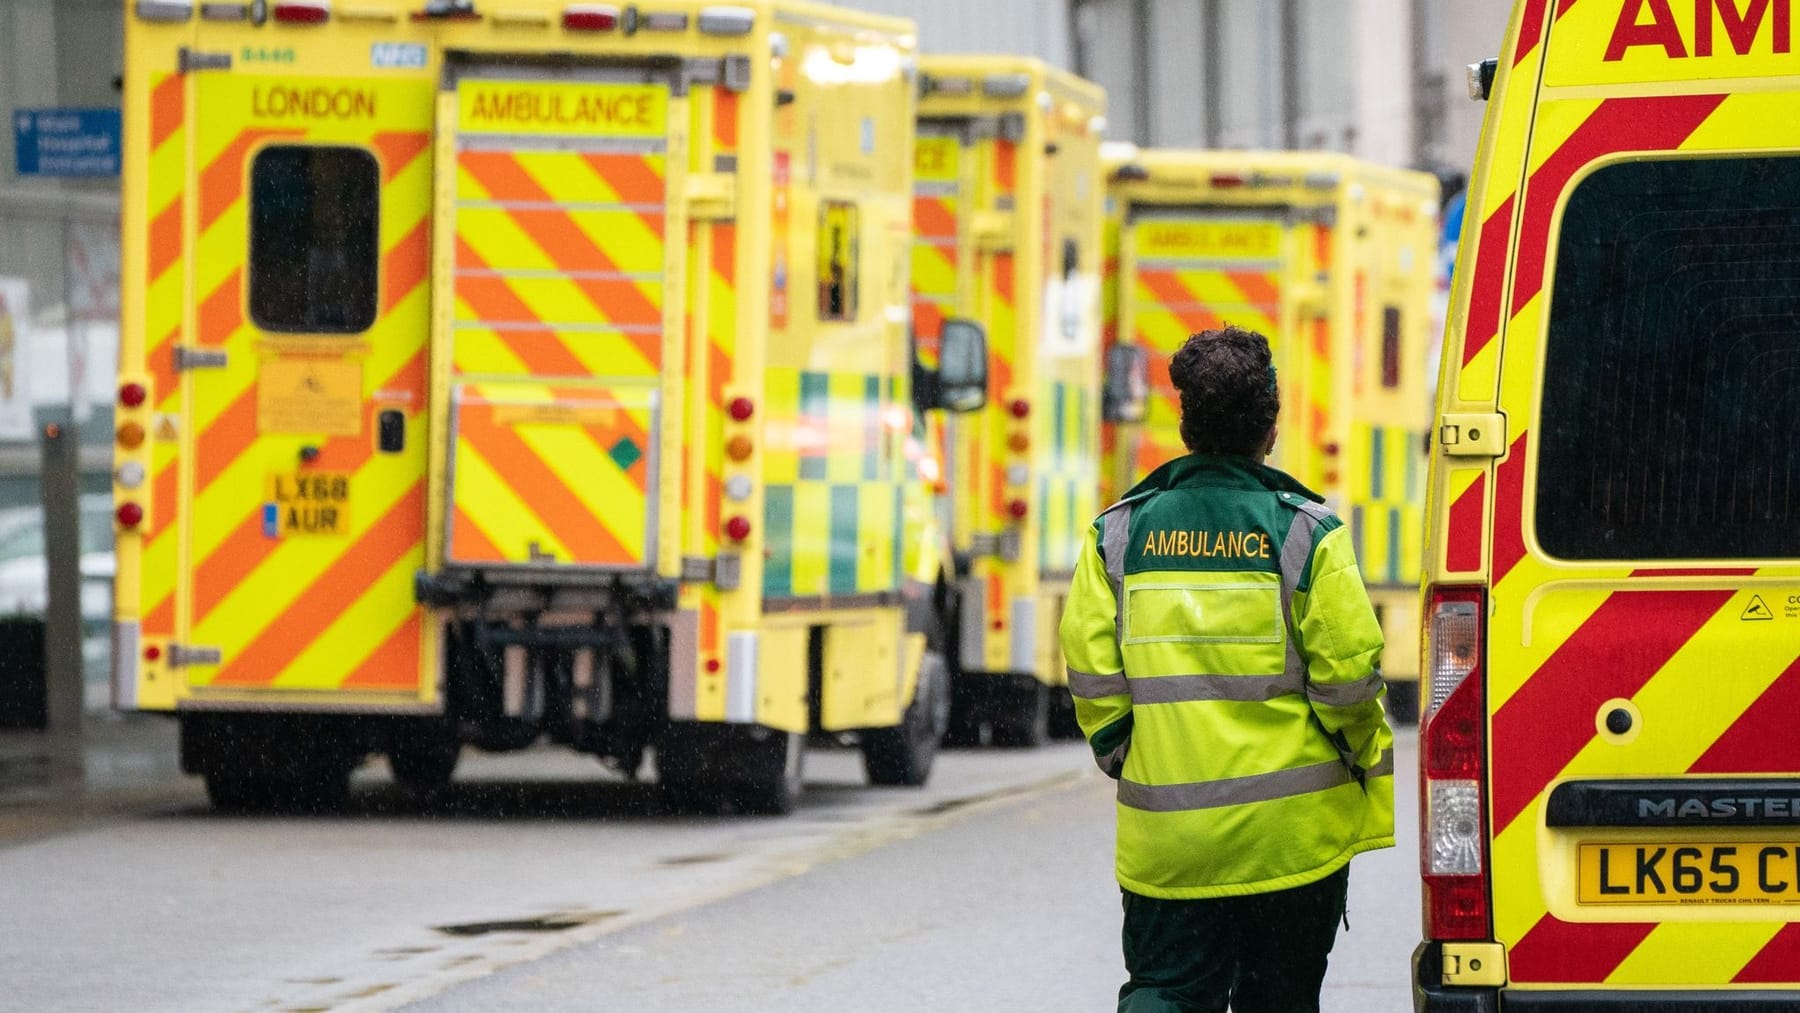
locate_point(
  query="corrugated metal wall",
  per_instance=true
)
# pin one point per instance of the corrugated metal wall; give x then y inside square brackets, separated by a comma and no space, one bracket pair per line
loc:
[1029,27]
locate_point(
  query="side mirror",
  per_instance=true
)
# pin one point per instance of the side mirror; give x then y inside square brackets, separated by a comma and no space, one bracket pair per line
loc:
[962,366]
[1126,394]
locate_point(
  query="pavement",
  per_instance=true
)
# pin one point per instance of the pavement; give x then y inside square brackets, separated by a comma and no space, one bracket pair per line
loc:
[127,761]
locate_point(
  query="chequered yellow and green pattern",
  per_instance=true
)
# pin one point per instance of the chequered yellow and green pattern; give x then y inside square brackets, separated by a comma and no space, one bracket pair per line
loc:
[832,501]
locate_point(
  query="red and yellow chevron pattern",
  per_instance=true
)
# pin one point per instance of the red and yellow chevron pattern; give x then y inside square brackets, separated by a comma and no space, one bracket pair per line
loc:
[1561,647]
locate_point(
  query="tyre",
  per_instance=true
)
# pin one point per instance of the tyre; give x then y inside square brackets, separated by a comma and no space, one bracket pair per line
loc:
[319,786]
[425,761]
[716,768]
[1024,721]
[903,754]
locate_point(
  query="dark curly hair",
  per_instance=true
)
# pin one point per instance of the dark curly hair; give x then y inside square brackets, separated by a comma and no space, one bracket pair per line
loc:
[1228,395]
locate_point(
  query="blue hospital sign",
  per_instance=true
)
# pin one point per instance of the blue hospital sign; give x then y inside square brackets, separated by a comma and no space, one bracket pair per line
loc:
[66,142]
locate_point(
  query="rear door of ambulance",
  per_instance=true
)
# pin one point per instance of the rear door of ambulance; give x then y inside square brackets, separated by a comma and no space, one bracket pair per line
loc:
[554,239]
[1644,519]
[1186,270]
[305,369]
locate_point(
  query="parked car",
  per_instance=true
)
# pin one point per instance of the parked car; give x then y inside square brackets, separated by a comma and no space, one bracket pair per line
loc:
[24,578]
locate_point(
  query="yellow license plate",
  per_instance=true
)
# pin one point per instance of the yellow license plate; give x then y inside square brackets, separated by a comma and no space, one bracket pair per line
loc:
[1734,873]
[307,503]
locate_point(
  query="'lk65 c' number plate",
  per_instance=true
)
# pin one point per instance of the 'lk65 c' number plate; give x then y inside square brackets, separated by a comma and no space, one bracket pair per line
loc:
[1737,873]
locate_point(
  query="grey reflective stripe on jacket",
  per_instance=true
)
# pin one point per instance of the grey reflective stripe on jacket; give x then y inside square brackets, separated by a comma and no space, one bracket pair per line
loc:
[1276,784]
[1115,542]
[1094,687]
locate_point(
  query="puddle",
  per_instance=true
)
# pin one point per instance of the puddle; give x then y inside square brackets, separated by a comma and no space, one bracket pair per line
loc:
[542,923]
[692,860]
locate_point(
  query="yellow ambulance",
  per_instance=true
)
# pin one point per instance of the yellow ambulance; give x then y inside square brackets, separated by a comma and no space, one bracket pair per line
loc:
[1611,777]
[1331,258]
[521,370]
[1007,223]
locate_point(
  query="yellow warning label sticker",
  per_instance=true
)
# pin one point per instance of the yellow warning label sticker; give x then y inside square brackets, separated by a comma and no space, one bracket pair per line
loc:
[307,503]
[556,413]
[587,109]
[1157,240]
[309,396]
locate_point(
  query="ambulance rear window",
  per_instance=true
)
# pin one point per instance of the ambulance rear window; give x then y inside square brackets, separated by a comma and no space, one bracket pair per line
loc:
[1670,423]
[314,253]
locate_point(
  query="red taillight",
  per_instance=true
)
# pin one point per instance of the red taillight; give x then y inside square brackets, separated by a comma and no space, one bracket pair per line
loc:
[590,18]
[133,394]
[741,409]
[1019,408]
[737,528]
[1453,856]
[1017,509]
[153,653]
[1226,180]
[300,13]
[130,515]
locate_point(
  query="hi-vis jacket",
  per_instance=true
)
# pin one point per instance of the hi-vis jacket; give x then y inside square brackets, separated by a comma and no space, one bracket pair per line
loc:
[1221,652]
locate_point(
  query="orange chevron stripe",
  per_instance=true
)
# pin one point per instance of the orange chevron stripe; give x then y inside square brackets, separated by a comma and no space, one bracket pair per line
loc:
[1174,299]
[393,665]
[1258,287]
[399,148]
[725,120]
[470,541]
[160,361]
[164,240]
[563,245]
[406,265]
[314,610]
[222,181]
[495,300]
[545,492]
[225,440]
[222,311]
[635,181]
[933,218]
[167,99]
[1006,173]
[234,560]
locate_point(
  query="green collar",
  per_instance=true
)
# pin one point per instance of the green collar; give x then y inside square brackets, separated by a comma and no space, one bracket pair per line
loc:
[1219,471]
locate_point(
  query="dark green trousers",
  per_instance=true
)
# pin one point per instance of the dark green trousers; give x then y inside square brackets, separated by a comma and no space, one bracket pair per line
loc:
[1264,953]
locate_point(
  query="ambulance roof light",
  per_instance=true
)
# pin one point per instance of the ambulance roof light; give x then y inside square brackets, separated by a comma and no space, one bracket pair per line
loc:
[302,12]
[164,10]
[447,10]
[590,18]
[727,20]
[665,21]
[1227,180]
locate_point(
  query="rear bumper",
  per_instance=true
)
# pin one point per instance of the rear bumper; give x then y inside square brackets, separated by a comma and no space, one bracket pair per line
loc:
[1431,997]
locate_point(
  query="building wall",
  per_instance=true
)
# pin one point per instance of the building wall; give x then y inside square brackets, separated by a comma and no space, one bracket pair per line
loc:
[1029,27]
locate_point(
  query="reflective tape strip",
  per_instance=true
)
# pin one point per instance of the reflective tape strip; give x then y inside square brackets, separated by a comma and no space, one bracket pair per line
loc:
[1384,767]
[1115,539]
[1195,688]
[1346,694]
[1296,549]
[1095,687]
[1276,784]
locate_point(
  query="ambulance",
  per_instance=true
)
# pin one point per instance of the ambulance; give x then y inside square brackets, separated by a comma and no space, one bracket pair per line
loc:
[515,370]
[1007,225]
[1610,773]
[1331,259]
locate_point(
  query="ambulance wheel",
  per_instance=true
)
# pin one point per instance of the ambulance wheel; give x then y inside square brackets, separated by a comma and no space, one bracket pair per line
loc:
[772,768]
[714,768]
[425,762]
[1024,721]
[903,754]
[963,730]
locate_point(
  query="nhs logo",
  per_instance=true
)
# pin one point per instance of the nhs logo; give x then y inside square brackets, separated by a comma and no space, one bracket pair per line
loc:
[397,56]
